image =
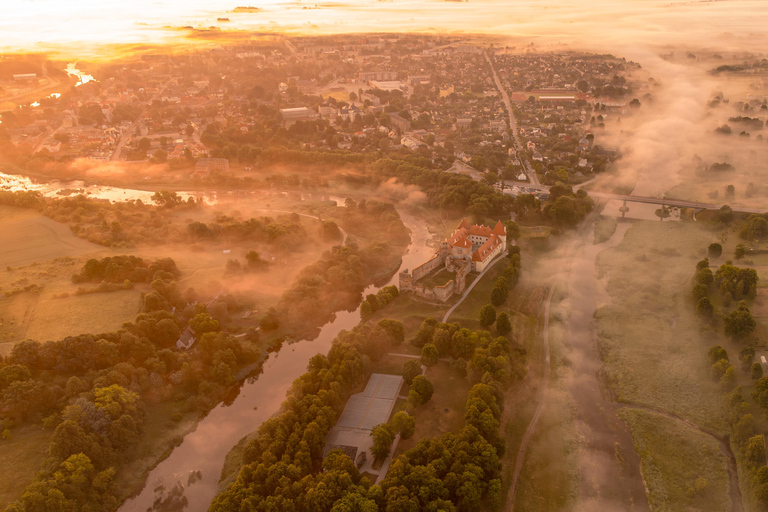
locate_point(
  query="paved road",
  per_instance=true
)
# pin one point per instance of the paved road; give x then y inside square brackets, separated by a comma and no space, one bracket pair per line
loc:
[512,122]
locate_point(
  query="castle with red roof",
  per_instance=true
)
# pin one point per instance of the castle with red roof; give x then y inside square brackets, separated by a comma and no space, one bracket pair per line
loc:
[469,249]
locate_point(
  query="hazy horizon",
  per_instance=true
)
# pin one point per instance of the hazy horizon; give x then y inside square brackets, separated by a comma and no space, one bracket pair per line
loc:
[84,28]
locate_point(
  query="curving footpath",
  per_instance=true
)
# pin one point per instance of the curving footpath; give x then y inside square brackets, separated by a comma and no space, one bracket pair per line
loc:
[520,459]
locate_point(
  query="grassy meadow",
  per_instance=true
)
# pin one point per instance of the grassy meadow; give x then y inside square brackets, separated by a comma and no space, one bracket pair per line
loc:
[651,345]
[675,458]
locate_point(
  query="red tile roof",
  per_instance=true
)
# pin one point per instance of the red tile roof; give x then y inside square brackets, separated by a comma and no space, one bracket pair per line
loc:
[486,249]
[480,230]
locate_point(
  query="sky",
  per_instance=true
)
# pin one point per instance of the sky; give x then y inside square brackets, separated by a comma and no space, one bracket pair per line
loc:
[85,26]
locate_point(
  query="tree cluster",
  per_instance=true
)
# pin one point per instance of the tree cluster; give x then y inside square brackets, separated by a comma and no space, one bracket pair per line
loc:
[117,269]
[374,302]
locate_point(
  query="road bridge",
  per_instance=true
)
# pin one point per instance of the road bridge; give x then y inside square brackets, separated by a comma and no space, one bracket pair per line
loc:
[672,202]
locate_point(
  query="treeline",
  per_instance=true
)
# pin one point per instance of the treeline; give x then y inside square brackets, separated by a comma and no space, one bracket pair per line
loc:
[286,232]
[447,191]
[118,224]
[374,220]
[283,466]
[92,390]
[374,302]
[741,420]
[734,283]
[117,269]
[508,280]
[333,283]
[454,472]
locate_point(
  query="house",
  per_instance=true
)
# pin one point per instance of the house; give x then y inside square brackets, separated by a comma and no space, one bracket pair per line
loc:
[401,123]
[498,125]
[294,115]
[207,166]
[464,122]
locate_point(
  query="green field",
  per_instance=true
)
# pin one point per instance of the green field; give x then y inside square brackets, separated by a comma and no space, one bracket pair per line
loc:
[445,411]
[673,457]
[93,313]
[651,343]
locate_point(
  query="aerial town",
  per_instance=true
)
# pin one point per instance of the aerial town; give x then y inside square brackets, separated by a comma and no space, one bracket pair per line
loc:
[433,97]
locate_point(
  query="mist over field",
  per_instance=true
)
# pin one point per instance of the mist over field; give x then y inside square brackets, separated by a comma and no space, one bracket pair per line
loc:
[249,212]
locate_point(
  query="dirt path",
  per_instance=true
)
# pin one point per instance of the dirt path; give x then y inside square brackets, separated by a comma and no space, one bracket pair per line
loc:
[510,506]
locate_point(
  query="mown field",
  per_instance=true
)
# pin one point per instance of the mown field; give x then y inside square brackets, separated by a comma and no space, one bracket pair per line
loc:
[28,237]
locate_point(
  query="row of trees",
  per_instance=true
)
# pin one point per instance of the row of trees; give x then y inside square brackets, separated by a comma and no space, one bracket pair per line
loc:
[508,280]
[283,466]
[741,420]
[117,269]
[373,303]
[332,283]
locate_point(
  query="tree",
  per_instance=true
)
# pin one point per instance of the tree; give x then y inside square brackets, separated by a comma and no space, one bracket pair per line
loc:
[513,231]
[739,252]
[487,315]
[404,424]
[411,370]
[716,353]
[739,323]
[271,321]
[503,325]
[746,356]
[704,308]
[757,371]
[383,435]
[394,328]
[499,295]
[421,390]
[724,214]
[715,250]
[755,452]
[429,355]
[203,323]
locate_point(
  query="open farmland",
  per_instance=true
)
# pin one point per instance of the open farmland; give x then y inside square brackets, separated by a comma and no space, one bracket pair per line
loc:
[28,237]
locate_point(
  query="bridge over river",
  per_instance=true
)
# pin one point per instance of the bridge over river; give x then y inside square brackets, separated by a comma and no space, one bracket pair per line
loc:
[672,202]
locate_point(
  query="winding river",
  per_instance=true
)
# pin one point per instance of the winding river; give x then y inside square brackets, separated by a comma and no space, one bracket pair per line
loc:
[193,469]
